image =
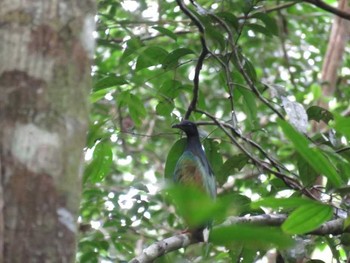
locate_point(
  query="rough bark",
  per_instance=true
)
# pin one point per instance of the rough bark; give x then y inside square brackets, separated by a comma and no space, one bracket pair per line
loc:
[332,61]
[45,53]
[335,51]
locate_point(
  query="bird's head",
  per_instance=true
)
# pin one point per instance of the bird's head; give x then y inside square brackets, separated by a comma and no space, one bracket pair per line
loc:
[188,127]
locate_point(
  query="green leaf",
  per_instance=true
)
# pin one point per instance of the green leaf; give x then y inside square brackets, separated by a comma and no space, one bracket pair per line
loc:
[259,29]
[230,19]
[102,160]
[170,88]
[172,59]
[215,35]
[276,203]
[251,236]
[312,155]
[109,81]
[132,45]
[342,125]
[318,113]
[231,166]
[166,32]
[193,205]
[269,22]
[172,158]
[165,108]
[249,105]
[136,109]
[249,68]
[151,56]
[307,174]
[212,151]
[307,218]
[95,96]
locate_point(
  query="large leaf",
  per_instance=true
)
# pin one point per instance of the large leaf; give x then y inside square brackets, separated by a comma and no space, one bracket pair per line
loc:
[166,32]
[230,19]
[318,113]
[151,56]
[260,29]
[307,174]
[97,170]
[269,22]
[193,205]
[231,166]
[249,105]
[307,218]
[311,154]
[296,114]
[135,105]
[136,109]
[291,202]
[109,81]
[251,236]
[165,107]
[173,156]
[213,154]
[342,125]
[172,59]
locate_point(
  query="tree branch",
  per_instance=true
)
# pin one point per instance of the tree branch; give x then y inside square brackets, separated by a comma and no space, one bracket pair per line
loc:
[334,227]
[163,247]
[201,57]
[329,8]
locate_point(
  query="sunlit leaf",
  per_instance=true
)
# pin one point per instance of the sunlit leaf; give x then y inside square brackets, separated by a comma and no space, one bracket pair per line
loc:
[231,166]
[213,154]
[307,174]
[318,113]
[251,236]
[229,18]
[296,114]
[165,32]
[311,154]
[249,104]
[173,156]
[151,56]
[291,202]
[97,170]
[260,29]
[307,218]
[109,81]
[342,125]
[193,205]
[164,107]
[171,60]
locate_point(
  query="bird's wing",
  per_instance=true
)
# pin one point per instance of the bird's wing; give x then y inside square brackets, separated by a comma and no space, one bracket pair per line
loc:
[190,171]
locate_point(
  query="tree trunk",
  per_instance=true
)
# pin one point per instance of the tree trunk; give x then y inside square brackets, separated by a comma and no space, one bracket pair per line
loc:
[331,64]
[45,53]
[335,52]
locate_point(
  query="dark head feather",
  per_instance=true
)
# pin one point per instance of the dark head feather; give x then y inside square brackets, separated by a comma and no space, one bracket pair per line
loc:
[188,127]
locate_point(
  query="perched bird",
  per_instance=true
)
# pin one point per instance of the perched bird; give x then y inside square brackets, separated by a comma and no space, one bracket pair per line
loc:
[193,168]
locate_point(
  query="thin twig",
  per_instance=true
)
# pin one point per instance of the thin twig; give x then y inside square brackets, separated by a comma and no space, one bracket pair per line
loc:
[328,8]
[149,254]
[289,181]
[201,57]
[251,84]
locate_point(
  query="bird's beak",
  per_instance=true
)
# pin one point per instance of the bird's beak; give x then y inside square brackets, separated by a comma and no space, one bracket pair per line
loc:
[176,126]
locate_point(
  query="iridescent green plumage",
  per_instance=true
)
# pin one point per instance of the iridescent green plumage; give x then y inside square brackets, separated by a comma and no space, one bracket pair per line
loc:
[193,168]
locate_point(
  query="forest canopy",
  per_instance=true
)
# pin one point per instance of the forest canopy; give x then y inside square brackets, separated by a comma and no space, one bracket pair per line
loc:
[266,82]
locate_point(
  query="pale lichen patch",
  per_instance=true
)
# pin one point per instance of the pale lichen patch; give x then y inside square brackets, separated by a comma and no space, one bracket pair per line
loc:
[37,149]
[86,36]
[66,218]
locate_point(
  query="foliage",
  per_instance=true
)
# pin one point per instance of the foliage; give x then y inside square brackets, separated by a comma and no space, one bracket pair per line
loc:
[263,66]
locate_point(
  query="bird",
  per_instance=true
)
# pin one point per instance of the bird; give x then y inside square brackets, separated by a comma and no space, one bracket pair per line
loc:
[193,168]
